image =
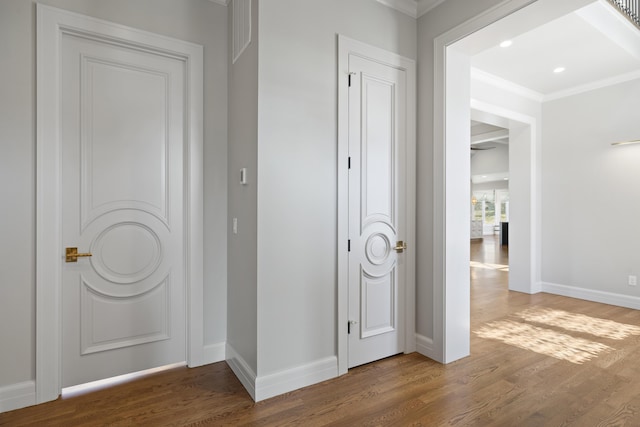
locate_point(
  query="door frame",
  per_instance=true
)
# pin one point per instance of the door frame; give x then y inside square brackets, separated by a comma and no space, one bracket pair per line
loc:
[52,23]
[451,336]
[347,46]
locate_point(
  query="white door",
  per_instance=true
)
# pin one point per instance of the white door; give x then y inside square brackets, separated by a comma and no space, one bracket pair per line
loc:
[123,143]
[377,191]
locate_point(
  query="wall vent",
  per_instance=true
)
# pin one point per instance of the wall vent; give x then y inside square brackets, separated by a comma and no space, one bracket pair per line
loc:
[241,27]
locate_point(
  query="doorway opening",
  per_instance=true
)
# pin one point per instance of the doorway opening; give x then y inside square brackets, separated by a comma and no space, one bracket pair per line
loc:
[460,77]
[489,208]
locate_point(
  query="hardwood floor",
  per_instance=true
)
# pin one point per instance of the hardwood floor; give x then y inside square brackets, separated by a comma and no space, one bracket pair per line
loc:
[537,360]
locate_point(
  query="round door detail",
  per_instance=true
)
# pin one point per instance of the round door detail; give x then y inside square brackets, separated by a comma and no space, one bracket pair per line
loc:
[377,248]
[126,252]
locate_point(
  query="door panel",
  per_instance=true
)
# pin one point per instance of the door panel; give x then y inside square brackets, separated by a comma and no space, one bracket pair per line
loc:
[123,141]
[376,195]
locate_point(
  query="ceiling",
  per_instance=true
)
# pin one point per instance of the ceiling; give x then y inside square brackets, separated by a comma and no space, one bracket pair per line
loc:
[484,135]
[492,141]
[591,40]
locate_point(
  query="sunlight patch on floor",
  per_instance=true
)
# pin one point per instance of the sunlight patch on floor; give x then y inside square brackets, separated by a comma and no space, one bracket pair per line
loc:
[602,328]
[499,267]
[543,341]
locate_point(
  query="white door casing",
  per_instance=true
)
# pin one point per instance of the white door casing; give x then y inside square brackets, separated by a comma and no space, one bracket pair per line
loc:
[451,328]
[376,204]
[120,175]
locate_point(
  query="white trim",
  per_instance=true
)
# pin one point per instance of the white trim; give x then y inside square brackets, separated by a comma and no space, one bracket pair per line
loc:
[425,6]
[408,7]
[213,353]
[610,81]
[292,379]
[602,297]
[442,329]
[413,8]
[221,2]
[51,24]
[243,371]
[507,85]
[347,46]
[424,346]
[16,396]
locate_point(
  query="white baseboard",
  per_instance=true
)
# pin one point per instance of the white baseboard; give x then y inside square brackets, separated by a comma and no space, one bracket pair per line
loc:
[242,370]
[426,347]
[536,288]
[592,295]
[16,396]
[292,379]
[266,386]
[213,353]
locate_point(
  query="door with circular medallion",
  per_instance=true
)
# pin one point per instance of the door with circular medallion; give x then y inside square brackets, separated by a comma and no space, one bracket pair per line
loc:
[123,144]
[377,140]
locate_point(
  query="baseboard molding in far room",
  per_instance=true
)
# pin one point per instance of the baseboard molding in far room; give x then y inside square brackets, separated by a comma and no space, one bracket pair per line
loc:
[603,297]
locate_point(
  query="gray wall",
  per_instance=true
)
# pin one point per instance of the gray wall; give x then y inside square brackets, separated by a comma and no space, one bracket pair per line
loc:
[198,21]
[490,161]
[243,153]
[297,156]
[591,193]
[488,186]
[17,189]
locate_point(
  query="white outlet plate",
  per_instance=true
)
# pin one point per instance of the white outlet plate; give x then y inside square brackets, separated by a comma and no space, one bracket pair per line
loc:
[633,280]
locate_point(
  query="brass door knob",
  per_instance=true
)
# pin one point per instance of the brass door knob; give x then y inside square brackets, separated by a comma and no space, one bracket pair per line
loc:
[72,255]
[400,246]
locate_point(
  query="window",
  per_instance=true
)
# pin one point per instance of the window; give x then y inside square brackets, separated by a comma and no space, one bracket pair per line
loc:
[484,203]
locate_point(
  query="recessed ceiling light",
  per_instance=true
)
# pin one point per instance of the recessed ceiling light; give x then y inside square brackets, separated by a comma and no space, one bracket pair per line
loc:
[506,43]
[506,179]
[558,70]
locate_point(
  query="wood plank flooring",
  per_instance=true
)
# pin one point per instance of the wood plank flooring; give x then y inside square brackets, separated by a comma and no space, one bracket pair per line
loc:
[537,360]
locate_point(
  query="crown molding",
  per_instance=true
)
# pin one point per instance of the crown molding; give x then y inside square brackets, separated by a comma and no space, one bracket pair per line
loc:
[499,82]
[425,6]
[413,8]
[408,7]
[593,86]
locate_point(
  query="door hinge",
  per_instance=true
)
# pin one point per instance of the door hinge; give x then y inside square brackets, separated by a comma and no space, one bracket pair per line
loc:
[351,74]
[349,245]
[349,163]
[349,323]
